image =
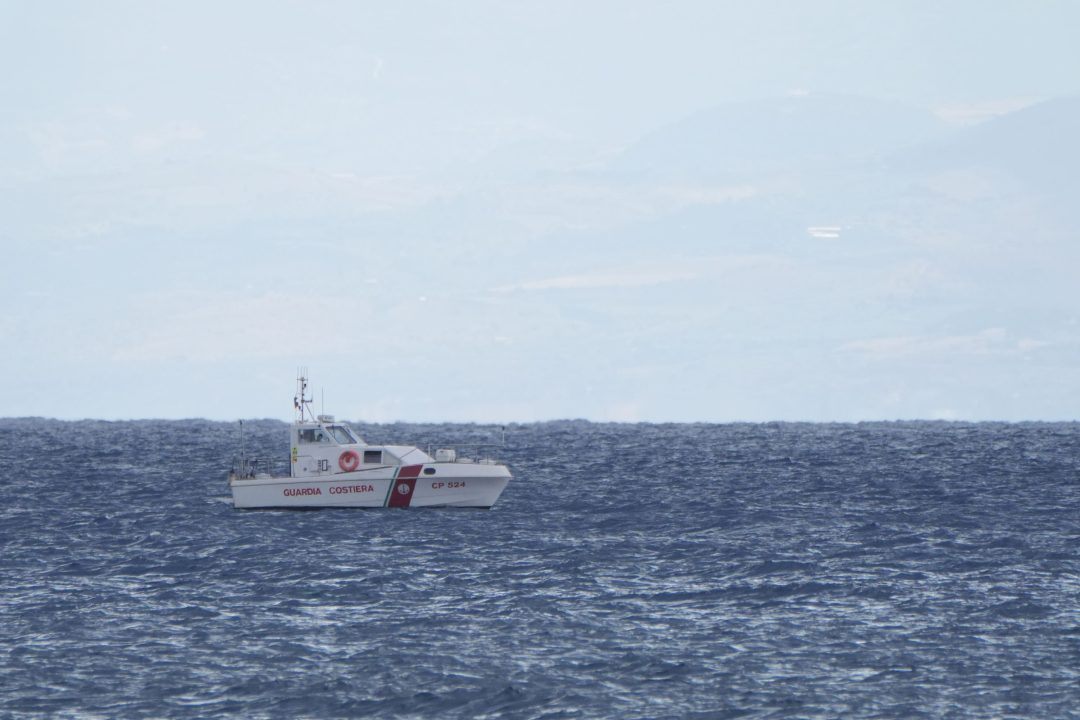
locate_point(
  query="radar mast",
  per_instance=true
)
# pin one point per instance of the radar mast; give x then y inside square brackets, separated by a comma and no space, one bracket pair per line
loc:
[301,401]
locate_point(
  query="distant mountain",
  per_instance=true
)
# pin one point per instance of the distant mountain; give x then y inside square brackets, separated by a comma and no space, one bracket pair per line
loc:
[1037,146]
[747,140]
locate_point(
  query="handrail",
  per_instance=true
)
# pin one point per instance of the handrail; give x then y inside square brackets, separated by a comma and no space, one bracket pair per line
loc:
[259,466]
[481,451]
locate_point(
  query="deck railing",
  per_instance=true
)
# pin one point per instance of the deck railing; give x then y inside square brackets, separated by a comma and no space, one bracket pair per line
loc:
[252,466]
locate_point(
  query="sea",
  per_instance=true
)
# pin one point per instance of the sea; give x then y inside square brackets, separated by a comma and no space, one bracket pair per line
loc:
[872,570]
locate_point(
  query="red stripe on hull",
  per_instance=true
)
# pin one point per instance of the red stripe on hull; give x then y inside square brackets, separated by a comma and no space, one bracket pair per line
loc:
[404,484]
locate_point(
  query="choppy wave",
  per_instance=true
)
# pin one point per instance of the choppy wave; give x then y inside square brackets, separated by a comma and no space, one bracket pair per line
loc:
[778,570]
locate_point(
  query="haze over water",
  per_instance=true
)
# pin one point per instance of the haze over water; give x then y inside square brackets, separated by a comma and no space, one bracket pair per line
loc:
[695,211]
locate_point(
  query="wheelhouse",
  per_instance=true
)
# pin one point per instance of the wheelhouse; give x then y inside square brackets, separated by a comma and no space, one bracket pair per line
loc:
[324,446]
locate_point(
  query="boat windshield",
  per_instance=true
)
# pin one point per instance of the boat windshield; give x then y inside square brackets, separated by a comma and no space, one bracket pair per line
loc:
[313,435]
[342,434]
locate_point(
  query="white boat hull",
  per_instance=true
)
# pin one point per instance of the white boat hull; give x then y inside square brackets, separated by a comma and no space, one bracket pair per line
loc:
[428,485]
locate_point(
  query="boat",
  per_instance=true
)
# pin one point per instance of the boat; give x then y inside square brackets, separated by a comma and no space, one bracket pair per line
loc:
[330,466]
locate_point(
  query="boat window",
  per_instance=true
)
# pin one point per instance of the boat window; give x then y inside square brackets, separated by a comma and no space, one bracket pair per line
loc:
[342,435]
[373,456]
[307,435]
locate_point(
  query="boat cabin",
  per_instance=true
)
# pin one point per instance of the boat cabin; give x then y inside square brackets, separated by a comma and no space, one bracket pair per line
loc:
[326,447]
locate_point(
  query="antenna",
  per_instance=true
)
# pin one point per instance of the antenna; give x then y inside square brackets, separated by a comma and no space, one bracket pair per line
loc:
[301,401]
[243,455]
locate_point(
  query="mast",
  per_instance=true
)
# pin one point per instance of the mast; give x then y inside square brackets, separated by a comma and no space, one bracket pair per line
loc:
[301,401]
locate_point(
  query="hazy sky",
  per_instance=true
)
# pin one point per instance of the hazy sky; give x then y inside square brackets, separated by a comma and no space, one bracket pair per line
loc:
[519,211]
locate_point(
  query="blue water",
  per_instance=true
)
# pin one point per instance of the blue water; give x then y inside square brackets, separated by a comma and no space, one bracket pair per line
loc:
[787,570]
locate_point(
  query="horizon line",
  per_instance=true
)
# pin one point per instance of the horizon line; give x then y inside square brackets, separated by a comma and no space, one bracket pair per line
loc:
[957,421]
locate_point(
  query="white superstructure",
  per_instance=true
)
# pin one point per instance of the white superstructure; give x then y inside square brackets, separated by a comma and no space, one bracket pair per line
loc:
[331,466]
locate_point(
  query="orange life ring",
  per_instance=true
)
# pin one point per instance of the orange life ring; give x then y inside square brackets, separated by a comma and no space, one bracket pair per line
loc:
[349,460]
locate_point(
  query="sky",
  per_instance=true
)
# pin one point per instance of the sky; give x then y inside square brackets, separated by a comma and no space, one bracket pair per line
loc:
[477,211]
